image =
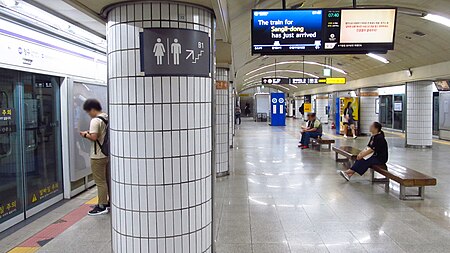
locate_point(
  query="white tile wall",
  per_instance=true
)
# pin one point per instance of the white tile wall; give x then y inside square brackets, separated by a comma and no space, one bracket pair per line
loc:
[367,111]
[321,103]
[161,139]
[419,119]
[222,124]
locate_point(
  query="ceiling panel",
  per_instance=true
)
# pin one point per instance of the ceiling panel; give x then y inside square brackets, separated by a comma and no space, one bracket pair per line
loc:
[410,50]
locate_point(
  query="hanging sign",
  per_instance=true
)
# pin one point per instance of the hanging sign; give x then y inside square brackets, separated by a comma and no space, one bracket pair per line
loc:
[175,52]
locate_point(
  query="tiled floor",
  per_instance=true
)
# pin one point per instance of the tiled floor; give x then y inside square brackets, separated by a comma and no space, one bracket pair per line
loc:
[281,199]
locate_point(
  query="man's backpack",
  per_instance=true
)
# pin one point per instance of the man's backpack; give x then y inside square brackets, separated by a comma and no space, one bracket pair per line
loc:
[105,146]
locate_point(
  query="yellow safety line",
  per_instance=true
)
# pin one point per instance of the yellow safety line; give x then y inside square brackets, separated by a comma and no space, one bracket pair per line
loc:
[24,250]
[93,201]
[435,141]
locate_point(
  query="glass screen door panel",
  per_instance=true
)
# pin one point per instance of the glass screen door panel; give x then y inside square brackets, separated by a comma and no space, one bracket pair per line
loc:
[436,113]
[385,115]
[399,115]
[41,138]
[11,177]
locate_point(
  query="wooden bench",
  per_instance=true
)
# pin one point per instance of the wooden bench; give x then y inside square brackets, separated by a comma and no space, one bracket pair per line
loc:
[405,177]
[318,142]
[350,154]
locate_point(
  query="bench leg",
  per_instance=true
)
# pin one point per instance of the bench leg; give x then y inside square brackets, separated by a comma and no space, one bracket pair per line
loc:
[420,193]
[375,180]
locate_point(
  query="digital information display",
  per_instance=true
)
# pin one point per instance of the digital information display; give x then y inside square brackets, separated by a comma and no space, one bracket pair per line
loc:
[323,31]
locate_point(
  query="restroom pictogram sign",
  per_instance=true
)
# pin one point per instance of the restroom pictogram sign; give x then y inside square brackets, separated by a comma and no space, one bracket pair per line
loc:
[175,52]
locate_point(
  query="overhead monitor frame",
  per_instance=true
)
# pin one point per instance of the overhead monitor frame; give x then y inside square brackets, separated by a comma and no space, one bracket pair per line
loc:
[380,48]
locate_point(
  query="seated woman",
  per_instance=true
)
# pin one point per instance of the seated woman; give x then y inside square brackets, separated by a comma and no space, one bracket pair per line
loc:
[376,153]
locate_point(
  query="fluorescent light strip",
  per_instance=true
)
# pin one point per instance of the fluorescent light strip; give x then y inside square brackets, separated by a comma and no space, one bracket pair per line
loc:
[251,84]
[261,85]
[378,58]
[281,70]
[437,19]
[297,62]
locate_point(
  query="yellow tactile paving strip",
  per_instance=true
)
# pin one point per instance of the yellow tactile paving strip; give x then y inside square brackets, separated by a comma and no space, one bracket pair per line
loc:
[93,201]
[24,250]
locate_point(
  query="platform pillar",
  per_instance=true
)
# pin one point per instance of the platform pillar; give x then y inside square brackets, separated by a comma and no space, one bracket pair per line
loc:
[222,143]
[419,114]
[160,82]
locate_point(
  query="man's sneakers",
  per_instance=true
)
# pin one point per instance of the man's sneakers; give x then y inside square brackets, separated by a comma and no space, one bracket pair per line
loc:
[345,136]
[98,210]
[354,137]
[300,145]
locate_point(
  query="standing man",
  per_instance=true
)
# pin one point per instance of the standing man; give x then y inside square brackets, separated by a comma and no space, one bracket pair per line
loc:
[99,161]
[237,115]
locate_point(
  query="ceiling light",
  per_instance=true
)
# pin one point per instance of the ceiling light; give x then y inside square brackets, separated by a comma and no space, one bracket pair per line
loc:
[8,3]
[378,58]
[297,62]
[281,70]
[438,19]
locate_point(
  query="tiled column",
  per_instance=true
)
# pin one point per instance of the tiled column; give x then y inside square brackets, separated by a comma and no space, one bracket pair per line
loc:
[367,109]
[222,148]
[161,137]
[419,108]
[321,104]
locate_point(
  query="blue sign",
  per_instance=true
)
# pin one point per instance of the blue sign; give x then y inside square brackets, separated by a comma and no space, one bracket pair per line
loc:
[286,31]
[338,116]
[278,110]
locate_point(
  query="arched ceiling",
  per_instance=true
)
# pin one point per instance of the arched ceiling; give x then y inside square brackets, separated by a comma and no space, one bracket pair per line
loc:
[234,22]
[411,50]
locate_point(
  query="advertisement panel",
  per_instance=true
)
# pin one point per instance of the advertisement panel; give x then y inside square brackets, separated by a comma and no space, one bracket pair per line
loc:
[344,101]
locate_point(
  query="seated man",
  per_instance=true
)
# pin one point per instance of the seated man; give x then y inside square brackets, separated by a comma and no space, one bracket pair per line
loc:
[312,130]
[376,153]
